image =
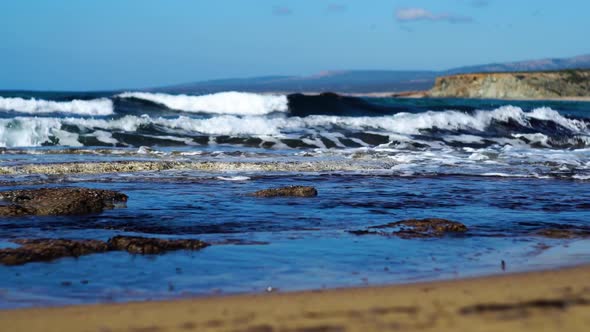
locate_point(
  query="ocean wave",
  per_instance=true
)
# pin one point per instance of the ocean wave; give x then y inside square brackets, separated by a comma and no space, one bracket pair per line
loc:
[236,103]
[95,107]
[510,125]
[479,121]
[29,131]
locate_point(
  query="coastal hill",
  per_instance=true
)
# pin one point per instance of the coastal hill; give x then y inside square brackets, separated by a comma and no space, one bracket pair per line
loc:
[345,81]
[516,85]
[365,81]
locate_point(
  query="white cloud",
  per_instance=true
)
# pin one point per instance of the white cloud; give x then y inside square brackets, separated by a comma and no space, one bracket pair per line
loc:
[421,14]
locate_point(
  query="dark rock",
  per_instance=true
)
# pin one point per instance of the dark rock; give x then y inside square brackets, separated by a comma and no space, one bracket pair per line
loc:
[291,191]
[141,245]
[415,228]
[42,250]
[58,201]
[361,232]
[569,233]
[13,211]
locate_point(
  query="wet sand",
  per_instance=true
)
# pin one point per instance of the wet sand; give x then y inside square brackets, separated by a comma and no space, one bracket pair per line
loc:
[535,301]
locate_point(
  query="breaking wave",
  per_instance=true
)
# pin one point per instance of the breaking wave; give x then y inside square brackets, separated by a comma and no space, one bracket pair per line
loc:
[540,128]
[237,103]
[95,107]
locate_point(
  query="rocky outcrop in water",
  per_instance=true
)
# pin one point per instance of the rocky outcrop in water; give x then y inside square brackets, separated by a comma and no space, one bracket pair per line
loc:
[58,201]
[43,250]
[518,85]
[415,228]
[151,246]
[291,191]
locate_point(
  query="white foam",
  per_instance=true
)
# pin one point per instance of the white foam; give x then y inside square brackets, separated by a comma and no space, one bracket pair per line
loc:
[66,138]
[413,123]
[27,131]
[546,113]
[233,178]
[237,103]
[535,138]
[104,136]
[95,107]
[33,131]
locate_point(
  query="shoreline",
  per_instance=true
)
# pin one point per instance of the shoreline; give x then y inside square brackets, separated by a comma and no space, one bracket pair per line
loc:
[540,301]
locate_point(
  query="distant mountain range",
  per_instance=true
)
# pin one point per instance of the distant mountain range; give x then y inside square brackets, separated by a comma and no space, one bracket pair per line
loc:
[364,81]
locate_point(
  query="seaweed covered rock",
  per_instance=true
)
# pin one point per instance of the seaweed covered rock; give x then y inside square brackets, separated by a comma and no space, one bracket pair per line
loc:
[142,245]
[58,201]
[12,211]
[415,228]
[42,250]
[290,191]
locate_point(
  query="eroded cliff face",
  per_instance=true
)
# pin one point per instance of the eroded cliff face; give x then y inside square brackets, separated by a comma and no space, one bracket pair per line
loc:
[521,85]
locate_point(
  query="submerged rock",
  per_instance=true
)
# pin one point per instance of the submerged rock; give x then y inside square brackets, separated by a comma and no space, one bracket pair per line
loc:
[415,228]
[558,233]
[58,201]
[43,250]
[142,245]
[290,191]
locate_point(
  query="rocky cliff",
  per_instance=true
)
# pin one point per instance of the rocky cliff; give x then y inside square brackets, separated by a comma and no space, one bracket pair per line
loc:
[519,85]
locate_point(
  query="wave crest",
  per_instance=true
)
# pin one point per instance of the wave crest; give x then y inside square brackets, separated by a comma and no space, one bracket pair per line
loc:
[542,127]
[236,103]
[94,107]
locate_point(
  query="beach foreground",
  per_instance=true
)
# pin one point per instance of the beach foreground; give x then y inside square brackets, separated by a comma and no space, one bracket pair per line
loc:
[534,301]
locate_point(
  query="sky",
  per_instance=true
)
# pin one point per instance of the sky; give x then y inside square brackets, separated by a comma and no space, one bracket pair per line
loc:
[114,44]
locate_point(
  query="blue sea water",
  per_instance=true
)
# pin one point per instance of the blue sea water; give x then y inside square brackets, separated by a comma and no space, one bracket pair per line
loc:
[505,169]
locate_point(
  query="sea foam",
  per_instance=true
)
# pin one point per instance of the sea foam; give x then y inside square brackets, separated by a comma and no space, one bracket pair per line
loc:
[94,107]
[237,103]
[466,128]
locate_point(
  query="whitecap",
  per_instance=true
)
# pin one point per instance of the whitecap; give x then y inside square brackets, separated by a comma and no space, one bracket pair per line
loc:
[233,178]
[237,103]
[95,107]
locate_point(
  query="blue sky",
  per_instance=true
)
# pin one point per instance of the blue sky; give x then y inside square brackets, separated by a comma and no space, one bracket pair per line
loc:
[107,44]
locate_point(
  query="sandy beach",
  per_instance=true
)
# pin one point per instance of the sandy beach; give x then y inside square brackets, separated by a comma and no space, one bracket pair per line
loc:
[535,301]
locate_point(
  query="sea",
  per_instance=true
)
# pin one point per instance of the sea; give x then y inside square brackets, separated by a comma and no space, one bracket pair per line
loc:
[505,169]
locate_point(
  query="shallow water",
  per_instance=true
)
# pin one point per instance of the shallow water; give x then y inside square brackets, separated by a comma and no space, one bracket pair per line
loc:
[504,188]
[294,244]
